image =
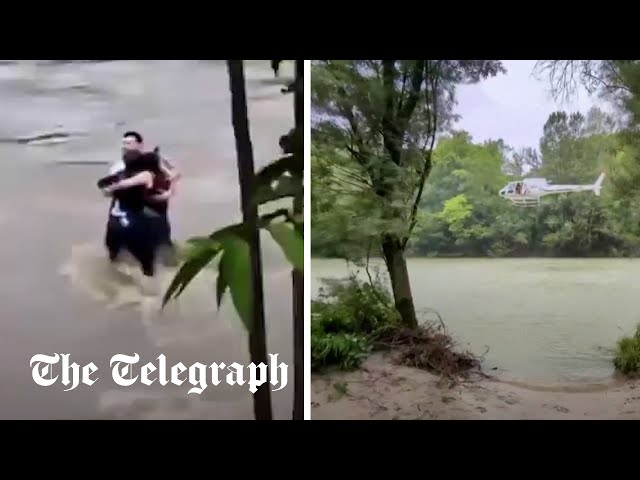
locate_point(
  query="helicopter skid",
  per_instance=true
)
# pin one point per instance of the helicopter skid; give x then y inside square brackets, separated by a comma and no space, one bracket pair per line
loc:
[526,201]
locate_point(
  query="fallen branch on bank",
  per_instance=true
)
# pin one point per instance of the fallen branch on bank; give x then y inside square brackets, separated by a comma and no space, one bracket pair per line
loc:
[429,348]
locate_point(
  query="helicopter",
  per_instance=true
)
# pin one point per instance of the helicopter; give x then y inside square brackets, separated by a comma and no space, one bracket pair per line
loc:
[528,192]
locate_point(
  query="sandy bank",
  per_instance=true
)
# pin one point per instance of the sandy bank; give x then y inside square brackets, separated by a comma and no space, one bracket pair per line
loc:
[383,391]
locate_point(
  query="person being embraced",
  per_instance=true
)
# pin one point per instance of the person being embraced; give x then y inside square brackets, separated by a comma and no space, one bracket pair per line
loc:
[134,228]
[164,188]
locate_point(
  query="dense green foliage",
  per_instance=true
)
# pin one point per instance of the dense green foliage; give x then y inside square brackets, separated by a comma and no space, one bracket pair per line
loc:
[460,212]
[347,318]
[351,319]
[375,124]
[627,356]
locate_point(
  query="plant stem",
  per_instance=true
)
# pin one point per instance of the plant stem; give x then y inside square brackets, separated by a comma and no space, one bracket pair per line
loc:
[246,173]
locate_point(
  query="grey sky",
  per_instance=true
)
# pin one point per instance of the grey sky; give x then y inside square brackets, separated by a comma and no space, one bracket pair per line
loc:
[513,106]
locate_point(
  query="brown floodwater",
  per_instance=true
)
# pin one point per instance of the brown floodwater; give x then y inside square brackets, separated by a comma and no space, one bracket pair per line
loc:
[56,292]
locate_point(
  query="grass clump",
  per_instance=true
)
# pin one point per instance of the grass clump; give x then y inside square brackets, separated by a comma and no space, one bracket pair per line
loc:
[627,355]
[351,318]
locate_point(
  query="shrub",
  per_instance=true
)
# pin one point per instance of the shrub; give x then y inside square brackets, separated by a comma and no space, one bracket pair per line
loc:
[346,319]
[351,318]
[627,357]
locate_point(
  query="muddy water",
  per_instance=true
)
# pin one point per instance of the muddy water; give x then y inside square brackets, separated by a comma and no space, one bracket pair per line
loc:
[545,322]
[55,292]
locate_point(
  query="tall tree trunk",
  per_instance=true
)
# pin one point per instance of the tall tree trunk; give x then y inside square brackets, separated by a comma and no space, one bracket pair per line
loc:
[246,174]
[399,275]
[298,279]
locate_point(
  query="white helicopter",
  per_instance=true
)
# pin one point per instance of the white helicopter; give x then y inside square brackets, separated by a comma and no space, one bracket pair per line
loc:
[527,192]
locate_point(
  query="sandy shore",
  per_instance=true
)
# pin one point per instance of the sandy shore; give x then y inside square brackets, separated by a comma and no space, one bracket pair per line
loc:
[381,390]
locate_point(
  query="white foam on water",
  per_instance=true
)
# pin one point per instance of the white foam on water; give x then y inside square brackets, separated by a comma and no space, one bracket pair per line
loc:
[189,319]
[192,320]
[47,141]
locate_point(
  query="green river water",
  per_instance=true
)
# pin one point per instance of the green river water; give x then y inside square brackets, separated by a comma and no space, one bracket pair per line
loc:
[543,320]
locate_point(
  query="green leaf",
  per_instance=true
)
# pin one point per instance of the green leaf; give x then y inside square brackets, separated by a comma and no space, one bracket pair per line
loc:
[287,186]
[221,283]
[298,223]
[291,242]
[244,230]
[235,267]
[298,219]
[277,169]
[199,241]
[199,257]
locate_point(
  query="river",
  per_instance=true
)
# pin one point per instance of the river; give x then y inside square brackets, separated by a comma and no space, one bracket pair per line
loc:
[543,321]
[55,290]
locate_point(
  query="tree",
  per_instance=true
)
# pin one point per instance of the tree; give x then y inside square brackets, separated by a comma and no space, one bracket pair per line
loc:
[237,246]
[617,81]
[607,78]
[519,163]
[572,152]
[385,115]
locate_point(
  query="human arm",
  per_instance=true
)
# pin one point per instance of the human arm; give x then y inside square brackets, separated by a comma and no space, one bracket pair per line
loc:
[162,197]
[143,178]
[170,170]
[107,181]
[165,192]
[172,174]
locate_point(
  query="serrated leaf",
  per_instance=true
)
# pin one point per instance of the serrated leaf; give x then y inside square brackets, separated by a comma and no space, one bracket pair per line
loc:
[291,242]
[235,267]
[197,260]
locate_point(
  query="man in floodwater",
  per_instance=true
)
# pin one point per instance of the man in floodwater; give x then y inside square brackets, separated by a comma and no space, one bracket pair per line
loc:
[164,187]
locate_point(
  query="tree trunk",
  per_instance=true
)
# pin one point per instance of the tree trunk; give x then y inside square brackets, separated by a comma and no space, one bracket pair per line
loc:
[246,173]
[399,275]
[298,279]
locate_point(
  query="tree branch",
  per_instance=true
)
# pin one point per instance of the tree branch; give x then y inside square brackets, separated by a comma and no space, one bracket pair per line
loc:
[389,122]
[417,76]
[405,76]
[432,112]
[353,175]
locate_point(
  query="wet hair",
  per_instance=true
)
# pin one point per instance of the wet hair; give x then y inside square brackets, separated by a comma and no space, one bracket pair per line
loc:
[133,134]
[148,161]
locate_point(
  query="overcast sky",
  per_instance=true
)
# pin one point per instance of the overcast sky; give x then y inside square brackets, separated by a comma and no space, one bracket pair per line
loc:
[512,106]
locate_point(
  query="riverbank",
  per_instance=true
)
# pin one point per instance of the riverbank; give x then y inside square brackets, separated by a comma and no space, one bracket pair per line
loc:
[380,390]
